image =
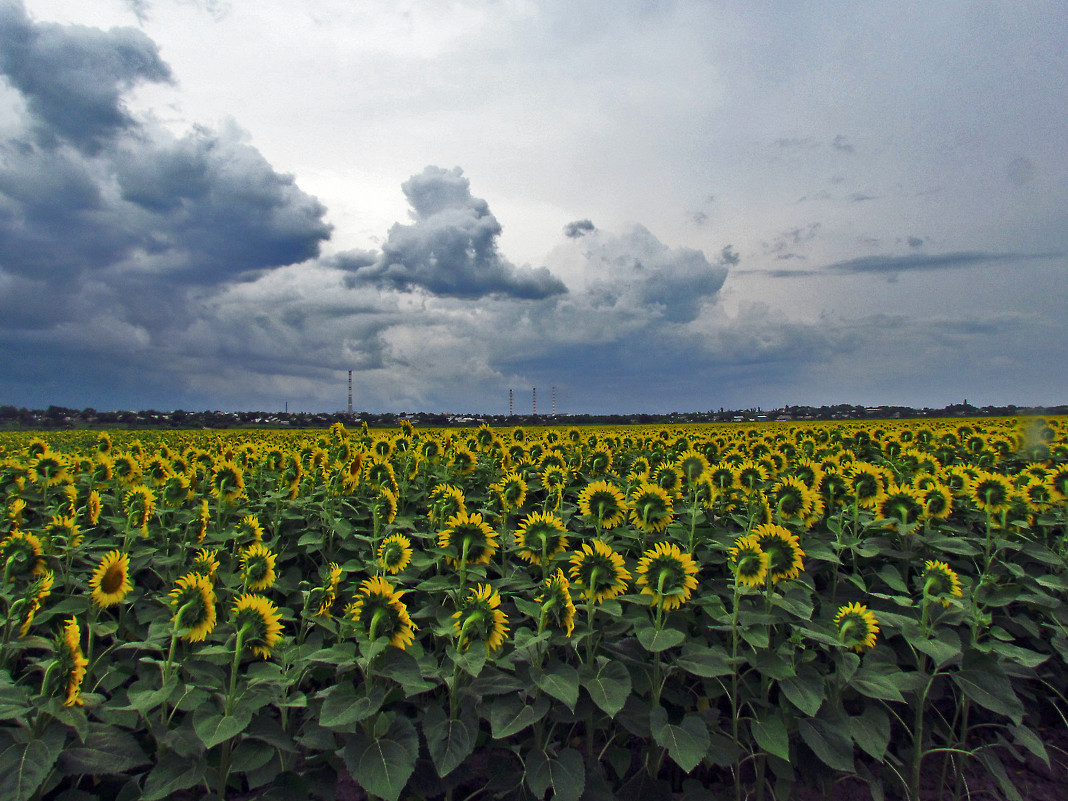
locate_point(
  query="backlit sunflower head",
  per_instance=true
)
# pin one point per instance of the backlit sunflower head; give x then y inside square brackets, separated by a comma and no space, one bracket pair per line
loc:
[384,505]
[125,467]
[938,501]
[749,562]
[992,492]
[668,575]
[724,477]
[325,596]
[206,563]
[792,497]
[650,507]
[857,627]
[111,582]
[64,531]
[557,608]
[554,479]
[177,489]
[692,464]
[751,475]
[467,539]
[901,505]
[540,536]
[394,553]
[599,460]
[257,567]
[193,602]
[669,478]
[228,481]
[462,460]
[21,555]
[71,662]
[599,571]
[260,621]
[603,503]
[866,483]
[480,619]
[446,500]
[379,472]
[783,549]
[139,504]
[940,582]
[248,530]
[49,469]
[35,598]
[378,611]
[510,491]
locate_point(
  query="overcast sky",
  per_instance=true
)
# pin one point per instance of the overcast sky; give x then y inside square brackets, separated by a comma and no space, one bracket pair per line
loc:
[650,206]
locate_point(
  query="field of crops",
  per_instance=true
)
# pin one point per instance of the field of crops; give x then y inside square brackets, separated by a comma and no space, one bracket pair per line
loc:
[651,612]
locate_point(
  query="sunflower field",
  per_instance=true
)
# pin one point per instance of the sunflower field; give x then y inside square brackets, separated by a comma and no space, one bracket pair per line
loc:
[645,612]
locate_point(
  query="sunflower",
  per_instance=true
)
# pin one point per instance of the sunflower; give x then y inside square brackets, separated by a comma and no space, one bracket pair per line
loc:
[379,472]
[510,491]
[600,460]
[749,562]
[177,489]
[203,520]
[38,594]
[866,483]
[63,528]
[49,469]
[691,465]
[378,611]
[480,619]
[394,553]
[327,594]
[751,475]
[557,608]
[554,478]
[260,621]
[206,562]
[668,575]
[227,481]
[604,503]
[257,567]
[783,549]
[857,627]
[72,662]
[650,507]
[992,493]
[111,582]
[462,460]
[446,500]
[248,528]
[669,478]
[901,504]
[792,497]
[938,501]
[125,467]
[539,537]
[16,511]
[467,538]
[724,477]
[940,582]
[599,571]
[193,602]
[384,505]
[139,504]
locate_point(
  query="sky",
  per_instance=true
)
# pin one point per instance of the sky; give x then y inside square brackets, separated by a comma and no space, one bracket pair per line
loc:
[637,206]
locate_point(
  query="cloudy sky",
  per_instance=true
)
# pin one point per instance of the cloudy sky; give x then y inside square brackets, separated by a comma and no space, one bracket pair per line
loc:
[650,206]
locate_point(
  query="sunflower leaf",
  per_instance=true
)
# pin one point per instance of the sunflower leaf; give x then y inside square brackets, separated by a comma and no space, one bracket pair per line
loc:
[449,741]
[559,680]
[383,764]
[656,640]
[686,743]
[608,685]
[565,774]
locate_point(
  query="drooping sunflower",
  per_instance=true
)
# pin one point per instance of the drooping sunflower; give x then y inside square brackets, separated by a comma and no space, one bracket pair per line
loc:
[669,478]
[72,662]
[557,608]
[467,538]
[857,626]
[650,507]
[599,571]
[725,477]
[384,505]
[260,621]
[446,500]
[63,530]
[38,594]
[379,611]
[668,575]
[462,460]
[604,503]
[49,469]
[748,561]
[248,530]
[901,504]
[510,491]
[380,473]
[227,481]
[783,549]
[257,567]
[394,553]
[599,460]
[111,582]
[992,492]
[206,563]
[540,536]
[940,582]
[125,467]
[193,602]
[751,475]
[140,504]
[177,489]
[93,508]
[327,593]
[203,520]
[480,619]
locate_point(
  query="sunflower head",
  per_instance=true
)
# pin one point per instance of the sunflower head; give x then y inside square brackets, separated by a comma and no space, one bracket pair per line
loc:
[206,563]
[992,492]
[748,561]
[480,619]
[510,491]
[940,582]
[63,529]
[603,503]
[384,505]
[394,553]
[792,497]
[857,627]
[783,549]
[540,536]
[557,608]
[446,500]
[326,595]
[177,489]
[378,611]
[257,567]
[650,507]
[260,621]
[692,464]
[668,575]
[193,602]
[467,539]
[228,481]
[139,504]
[248,530]
[111,582]
[599,571]
[72,662]
[901,504]
[35,598]
[462,460]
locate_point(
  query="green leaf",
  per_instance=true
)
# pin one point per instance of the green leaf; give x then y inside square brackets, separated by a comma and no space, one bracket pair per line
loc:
[213,728]
[383,764]
[875,685]
[608,685]
[656,640]
[871,731]
[403,668]
[892,576]
[559,680]
[106,750]
[171,774]
[250,755]
[700,660]
[24,767]
[14,699]
[565,774]
[770,734]
[449,741]
[686,743]
[510,714]
[943,648]
[806,690]
[344,706]
[831,745]
[1031,741]
[990,689]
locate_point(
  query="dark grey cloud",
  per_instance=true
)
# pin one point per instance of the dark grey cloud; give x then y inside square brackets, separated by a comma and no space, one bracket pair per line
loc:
[73,78]
[841,144]
[913,262]
[450,248]
[915,242]
[575,229]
